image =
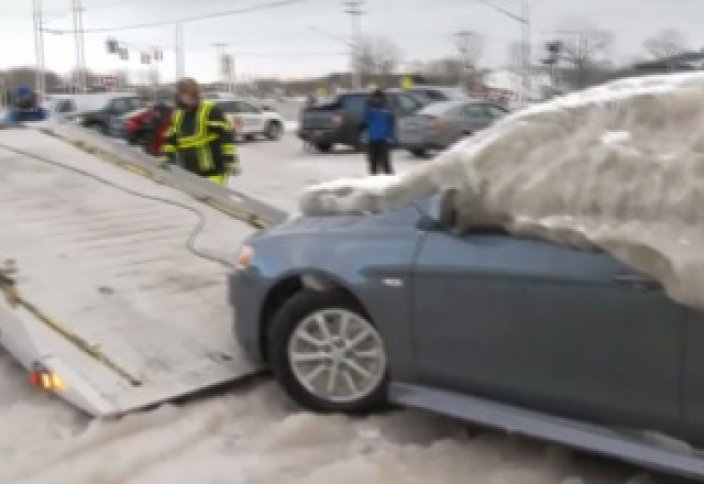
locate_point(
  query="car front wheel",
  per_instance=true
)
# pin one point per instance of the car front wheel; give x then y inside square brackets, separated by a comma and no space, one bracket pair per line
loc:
[274,130]
[327,354]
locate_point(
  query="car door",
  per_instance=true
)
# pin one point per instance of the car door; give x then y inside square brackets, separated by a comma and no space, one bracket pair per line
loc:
[475,117]
[230,111]
[352,110]
[251,117]
[115,110]
[546,326]
[405,105]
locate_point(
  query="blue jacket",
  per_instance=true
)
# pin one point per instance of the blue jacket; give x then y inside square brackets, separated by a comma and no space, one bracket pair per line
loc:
[380,124]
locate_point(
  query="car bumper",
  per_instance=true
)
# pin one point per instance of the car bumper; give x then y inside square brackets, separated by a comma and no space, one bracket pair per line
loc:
[246,298]
[319,136]
[421,145]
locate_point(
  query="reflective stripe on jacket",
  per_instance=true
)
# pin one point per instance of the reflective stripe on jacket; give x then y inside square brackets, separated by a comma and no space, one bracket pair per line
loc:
[201,140]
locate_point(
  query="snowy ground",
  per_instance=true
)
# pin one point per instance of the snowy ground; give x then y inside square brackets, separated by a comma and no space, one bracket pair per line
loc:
[253,435]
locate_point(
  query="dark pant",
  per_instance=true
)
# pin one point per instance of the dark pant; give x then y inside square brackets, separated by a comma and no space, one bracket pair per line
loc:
[380,158]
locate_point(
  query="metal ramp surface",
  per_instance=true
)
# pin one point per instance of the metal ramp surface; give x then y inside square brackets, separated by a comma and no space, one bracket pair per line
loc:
[114,271]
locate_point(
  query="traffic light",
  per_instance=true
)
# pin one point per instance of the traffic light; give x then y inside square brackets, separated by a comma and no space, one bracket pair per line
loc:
[554,49]
[113,46]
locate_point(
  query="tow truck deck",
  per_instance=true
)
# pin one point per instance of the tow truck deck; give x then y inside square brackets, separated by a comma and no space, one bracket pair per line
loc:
[105,304]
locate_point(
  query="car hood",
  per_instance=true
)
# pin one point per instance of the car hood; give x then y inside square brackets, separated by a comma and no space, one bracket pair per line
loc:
[402,219]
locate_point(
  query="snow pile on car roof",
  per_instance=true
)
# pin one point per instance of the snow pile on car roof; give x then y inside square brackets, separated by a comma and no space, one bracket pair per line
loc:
[619,166]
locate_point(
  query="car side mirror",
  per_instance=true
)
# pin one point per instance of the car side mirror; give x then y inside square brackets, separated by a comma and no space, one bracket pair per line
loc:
[443,210]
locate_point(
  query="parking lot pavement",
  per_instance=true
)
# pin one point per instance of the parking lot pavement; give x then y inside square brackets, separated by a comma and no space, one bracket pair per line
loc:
[276,171]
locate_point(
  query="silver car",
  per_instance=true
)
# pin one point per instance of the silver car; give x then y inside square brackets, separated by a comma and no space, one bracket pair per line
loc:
[526,335]
[441,124]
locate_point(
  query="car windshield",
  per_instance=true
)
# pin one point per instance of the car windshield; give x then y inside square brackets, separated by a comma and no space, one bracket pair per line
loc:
[441,108]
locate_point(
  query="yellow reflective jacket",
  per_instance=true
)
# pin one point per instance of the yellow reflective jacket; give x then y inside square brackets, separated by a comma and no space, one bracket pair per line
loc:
[201,141]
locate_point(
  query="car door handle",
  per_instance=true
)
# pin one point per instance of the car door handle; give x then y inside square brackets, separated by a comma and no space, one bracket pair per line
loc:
[642,283]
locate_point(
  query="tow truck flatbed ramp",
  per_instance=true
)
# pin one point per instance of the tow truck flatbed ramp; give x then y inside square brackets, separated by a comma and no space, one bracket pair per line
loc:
[112,272]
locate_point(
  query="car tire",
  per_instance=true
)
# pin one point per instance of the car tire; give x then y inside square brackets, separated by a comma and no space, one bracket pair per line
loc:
[99,128]
[362,140]
[419,152]
[274,130]
[297,345]
[324,147]
[249,137]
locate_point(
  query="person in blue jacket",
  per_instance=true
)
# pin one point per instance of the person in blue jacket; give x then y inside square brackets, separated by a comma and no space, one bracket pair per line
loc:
[381,132]
[26,107]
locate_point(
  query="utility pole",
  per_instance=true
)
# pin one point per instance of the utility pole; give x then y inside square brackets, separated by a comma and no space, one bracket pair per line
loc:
[180,54]
[354,9]
[77,9]
[39,83]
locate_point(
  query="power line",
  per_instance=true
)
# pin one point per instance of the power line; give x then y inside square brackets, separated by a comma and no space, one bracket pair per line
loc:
[253,8]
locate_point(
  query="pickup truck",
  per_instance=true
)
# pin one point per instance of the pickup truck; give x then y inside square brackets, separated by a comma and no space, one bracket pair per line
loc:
[340,119]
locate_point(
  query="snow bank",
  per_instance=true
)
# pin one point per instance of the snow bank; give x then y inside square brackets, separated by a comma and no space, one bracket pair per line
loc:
[257,438]
[619,166]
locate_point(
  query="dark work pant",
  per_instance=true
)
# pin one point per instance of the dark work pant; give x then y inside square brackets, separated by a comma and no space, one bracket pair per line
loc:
[380,158]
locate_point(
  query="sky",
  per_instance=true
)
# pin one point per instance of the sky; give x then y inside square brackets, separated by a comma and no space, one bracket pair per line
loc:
[309,37]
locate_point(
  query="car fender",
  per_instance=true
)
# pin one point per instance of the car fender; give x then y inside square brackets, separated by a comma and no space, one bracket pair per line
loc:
[376,270]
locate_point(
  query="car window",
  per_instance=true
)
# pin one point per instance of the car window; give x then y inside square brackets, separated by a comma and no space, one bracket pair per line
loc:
[436,95]
[475,111]
[120,106]
[407,104]
[355,103]
[65,106]
[136,103]
[496,112]
[247,108]
[228,107]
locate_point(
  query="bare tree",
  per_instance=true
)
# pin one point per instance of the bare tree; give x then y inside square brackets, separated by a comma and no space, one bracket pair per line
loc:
[585,52]
[447,71]
[377,56]
[667,43]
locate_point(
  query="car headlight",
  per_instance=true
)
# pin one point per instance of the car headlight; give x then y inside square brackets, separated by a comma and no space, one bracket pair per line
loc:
[79,119]
[245,257]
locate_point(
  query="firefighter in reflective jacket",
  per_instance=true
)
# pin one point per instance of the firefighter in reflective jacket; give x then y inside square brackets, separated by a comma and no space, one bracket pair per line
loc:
[200,138]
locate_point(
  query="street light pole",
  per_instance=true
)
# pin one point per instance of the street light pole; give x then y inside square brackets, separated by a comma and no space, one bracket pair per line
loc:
[39,81]
[464,45]
[226,66]
[354,9]
[77,10]
[524,19]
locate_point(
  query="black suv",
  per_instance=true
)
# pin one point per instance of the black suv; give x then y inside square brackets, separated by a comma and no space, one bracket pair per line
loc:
[104,112]
[340,119]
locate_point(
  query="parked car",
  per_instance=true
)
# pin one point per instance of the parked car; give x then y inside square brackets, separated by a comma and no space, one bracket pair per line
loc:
[439,125]
[147,127]
[250,120]
[103,112]
[340,119]
[350,312]
[433,94]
